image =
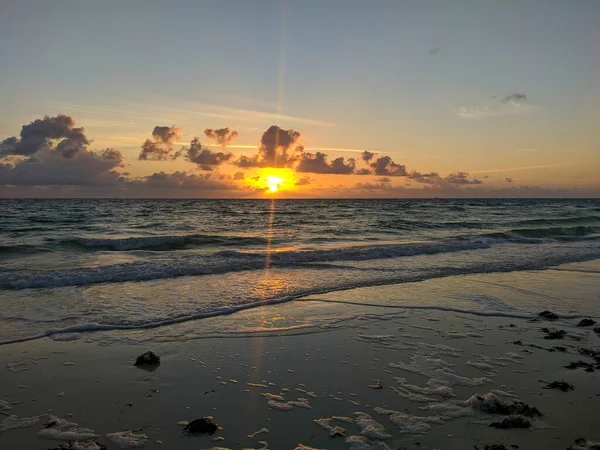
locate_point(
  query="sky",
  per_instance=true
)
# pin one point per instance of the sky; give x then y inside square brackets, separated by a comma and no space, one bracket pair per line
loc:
[305,98]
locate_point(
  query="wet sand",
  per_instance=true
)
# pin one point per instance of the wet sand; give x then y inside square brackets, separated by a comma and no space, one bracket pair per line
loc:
[379,377]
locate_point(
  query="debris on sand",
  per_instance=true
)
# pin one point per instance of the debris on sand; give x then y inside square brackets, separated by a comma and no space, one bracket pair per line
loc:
[548,315]
[592,353]
[306,447]
[584,444]
[148,359]
[126,439]
[495,447]
[597,330]
[378,385]
[586,323]
[262,430]
[80,445]
[516,421]
[491,404]
[576,364]
[554,334]
[560,385]
[203,425]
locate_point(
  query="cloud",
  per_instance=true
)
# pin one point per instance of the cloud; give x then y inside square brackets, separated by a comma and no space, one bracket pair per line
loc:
[205,158]
[514,98]
[43,134]
[384,180]
[371,186]
[461,178]
[222,136]
[160,147]
[317,163]
[425,178]
[184,180]
[385,166]
[509,180]
[302,181]
[510,105]
[51,168]
[367,156]
[238,176]
[278,148]
[434,51]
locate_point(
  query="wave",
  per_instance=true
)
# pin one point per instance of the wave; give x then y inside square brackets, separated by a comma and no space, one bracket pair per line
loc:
[559,221]
[161,242]
[72,330]
[224,261]
[540,233]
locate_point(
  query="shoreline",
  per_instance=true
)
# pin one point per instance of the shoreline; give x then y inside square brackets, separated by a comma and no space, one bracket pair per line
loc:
[428,362]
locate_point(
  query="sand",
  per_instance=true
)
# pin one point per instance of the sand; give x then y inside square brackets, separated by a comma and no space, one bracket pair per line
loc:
[379,377]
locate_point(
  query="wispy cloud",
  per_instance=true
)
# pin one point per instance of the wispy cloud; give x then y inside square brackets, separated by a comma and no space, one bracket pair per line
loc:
[509,105]
[513,169]
[507,109]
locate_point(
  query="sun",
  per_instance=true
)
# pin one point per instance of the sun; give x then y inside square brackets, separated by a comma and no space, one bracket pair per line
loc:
[273,183]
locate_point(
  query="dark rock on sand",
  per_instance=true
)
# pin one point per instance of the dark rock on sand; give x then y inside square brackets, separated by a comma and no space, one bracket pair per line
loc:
[204,425]
[560,349]
[516,421]
[148,359]
[597,331]
[586,323]
[584,444]
[495,447]
[92,445]
[560,385]
[548,315]
[554,334]
[576,364]
[491,404]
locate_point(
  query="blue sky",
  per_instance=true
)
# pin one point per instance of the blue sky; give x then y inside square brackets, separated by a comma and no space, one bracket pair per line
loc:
[351,75]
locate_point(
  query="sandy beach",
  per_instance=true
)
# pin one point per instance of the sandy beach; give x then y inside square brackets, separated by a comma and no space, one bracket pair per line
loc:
[380,376]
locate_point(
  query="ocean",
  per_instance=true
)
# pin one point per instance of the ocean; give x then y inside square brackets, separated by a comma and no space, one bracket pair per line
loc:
[69,266]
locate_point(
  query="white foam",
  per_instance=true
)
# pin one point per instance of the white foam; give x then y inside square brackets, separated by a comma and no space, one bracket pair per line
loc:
[370,428]
[127,439]
[362,443]
[409,424]
[60,429]
[12,422]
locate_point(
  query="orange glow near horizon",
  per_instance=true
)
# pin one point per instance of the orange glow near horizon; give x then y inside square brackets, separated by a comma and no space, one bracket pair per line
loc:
[274,180]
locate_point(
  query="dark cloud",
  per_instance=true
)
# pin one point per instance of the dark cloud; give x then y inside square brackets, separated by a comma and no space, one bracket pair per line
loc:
[384,180]
[425,178]
[222,136]
[238,176]
[461,178]
[516,98]
[51,168]
[278,148]
[42,134]
[160,147]
[363,172]
[509,180]
[302,181]
[367,156]
[434,51]
[317,163]
[184,180]
[256,178]
[371,186]
[486,176]
[204,157]
[386,167]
